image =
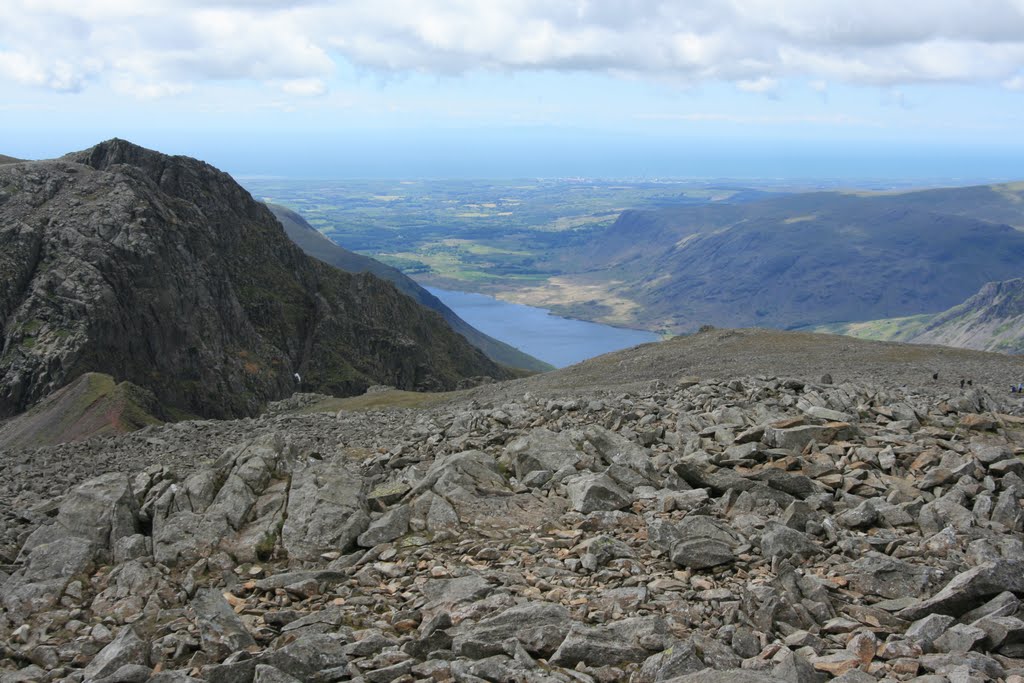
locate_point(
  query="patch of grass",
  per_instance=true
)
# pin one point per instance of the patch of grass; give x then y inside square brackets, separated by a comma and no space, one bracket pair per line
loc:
[265,547]
[888,329]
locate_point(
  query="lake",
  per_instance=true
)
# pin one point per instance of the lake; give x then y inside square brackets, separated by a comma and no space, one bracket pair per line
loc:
[555,340]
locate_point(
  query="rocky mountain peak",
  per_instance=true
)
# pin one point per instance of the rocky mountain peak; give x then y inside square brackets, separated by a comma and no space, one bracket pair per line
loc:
[162,271]
[117,151]
[1006,297]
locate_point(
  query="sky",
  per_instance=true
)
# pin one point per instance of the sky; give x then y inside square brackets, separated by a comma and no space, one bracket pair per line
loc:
[521,88]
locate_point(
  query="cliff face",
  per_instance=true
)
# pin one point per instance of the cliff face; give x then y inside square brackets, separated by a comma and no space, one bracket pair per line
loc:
[164,272]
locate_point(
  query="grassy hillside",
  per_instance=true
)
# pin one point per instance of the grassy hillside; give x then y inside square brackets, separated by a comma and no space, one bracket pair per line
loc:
[888,329]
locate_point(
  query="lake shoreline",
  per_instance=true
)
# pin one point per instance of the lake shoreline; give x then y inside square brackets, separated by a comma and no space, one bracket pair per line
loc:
[550,337]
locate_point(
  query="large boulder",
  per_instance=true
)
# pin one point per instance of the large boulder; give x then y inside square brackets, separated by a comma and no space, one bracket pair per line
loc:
[126,648]
[50,568]
[469,488]
[888,577]
[967,590]
[540,627]
[101,511]
[301,659]
[221,632]
[327,510]
[540,449]
[697,542]
[629,640]
[616,449]
[591,492]
[236,506]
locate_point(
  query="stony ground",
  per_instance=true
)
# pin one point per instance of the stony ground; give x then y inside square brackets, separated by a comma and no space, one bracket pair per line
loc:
[711,509]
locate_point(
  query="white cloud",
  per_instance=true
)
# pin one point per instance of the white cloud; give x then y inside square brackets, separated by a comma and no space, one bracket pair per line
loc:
[304,87]
[158,45]
[762,85]
[59,75]
[1014,83]
[149,90]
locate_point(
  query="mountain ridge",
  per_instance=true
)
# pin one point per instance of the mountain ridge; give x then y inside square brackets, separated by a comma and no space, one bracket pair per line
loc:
[161,270]
[803,259]
[990,320]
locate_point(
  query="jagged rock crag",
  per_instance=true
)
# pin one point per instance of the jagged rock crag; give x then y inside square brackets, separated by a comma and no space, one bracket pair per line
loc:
[751,529]
[992,319]
[164,272]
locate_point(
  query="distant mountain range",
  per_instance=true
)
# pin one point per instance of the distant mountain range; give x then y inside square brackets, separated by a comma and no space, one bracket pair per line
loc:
[163,272]
[991,320]
[806,259]
[315,244]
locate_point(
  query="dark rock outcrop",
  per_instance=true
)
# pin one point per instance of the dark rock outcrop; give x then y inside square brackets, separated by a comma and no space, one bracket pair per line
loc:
[164,272]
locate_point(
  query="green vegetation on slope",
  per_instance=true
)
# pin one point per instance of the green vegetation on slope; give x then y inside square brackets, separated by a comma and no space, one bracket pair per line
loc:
[890,329]
[93,405]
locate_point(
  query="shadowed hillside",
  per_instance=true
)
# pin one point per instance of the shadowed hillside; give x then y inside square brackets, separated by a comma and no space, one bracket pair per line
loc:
[808,259]
[314,243]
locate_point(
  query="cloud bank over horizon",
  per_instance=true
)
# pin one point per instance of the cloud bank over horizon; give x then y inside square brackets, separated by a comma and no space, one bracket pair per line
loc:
[163,48]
